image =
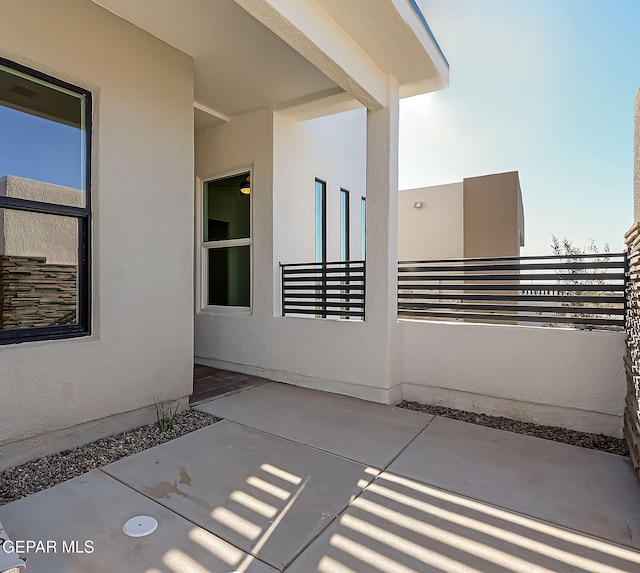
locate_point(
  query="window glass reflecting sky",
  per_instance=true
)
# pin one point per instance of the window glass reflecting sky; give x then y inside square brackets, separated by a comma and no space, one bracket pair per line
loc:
[40,149]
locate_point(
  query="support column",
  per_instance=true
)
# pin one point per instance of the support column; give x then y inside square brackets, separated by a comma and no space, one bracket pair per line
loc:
[382,234]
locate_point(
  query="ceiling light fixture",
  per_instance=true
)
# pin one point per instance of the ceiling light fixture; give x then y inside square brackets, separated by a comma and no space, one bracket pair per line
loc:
[245,186]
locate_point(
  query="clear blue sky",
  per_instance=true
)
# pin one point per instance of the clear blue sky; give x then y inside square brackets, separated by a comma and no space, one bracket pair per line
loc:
[544,87]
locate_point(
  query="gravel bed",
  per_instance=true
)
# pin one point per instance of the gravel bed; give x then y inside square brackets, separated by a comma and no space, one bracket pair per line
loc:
[31,477]
[582,439]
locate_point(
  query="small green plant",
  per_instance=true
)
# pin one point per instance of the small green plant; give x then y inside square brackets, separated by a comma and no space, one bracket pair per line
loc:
[165,414]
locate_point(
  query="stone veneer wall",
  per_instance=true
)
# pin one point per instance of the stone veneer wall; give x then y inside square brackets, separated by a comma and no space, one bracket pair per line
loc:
[34,293]
[632,360]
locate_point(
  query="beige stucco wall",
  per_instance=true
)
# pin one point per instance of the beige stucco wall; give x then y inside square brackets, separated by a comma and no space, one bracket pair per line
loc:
[27,234]
[330,148]
[142,202]
[435,230]
[349,357]
[261,341]
[556,376]
[493,215]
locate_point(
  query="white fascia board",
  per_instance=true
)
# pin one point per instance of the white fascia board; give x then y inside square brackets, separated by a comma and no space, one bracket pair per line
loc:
[412,14]
[311,31]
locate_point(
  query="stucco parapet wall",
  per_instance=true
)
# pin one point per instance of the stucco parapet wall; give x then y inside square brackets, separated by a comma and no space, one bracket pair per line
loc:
[33,190]
[29,234]
[558,376]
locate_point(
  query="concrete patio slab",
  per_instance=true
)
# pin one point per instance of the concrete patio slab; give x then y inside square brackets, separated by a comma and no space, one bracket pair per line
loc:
[402,526]
[459,498]
[264,494]
[585,490]
[90,511]
[363,431]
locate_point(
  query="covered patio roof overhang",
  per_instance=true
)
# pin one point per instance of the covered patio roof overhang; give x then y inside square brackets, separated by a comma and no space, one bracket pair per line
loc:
[312,58]
[256,60]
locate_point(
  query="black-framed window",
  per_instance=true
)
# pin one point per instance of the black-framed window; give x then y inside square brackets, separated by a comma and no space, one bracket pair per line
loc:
[45,206]
[321,220]
[345,242]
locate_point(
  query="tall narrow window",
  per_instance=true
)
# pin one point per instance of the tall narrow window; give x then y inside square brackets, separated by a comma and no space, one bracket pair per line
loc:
[321,221]
[344,225]
[226,241]
[363,227]
[44,206]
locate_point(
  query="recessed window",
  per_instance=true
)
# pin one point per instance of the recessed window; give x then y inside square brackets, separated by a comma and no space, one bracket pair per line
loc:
[363,227]
[226,241]
[344,225]
[44,206]
[321,220]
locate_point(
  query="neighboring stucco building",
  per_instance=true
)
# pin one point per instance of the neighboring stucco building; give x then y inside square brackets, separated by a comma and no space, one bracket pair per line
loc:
[31,234]
[478,217]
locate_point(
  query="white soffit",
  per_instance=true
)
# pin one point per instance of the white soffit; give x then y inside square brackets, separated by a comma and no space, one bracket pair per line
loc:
[312,31]
[240,65]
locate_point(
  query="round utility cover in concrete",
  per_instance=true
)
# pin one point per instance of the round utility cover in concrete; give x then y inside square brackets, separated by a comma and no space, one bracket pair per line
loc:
[140,525]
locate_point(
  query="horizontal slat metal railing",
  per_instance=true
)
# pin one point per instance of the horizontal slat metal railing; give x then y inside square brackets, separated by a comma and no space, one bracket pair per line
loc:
[330,289]
[584,290]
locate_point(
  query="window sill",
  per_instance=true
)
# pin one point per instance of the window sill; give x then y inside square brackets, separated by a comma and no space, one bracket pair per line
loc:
[41,335]
[226,310]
